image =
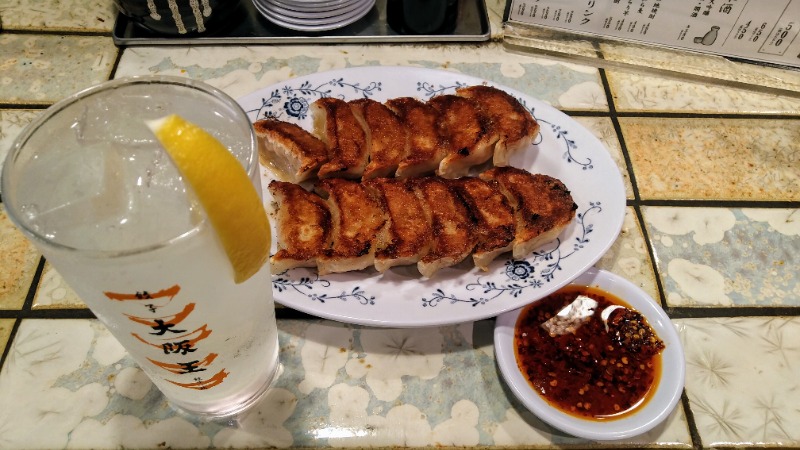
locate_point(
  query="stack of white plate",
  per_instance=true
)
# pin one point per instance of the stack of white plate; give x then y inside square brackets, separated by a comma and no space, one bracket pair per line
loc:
[313,15]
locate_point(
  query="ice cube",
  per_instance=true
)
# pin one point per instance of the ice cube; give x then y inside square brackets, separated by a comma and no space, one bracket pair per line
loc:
[106,176]
[92,192]
[121,120]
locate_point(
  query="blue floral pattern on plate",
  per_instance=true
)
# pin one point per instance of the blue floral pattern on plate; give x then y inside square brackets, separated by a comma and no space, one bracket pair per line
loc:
[400,297]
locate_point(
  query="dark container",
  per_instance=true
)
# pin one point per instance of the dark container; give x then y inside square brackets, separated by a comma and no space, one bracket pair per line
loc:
[422,16]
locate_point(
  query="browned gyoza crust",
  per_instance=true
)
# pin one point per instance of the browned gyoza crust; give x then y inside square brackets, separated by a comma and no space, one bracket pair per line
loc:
[356,217]
[435,221]
[337,126]
[290,149]
[543,206]
[467,132]
[451,223]
[404,137]
[493,216]
[387,136]
[513,123]
[407,234]
[426,146]
[303,224]
[432,221]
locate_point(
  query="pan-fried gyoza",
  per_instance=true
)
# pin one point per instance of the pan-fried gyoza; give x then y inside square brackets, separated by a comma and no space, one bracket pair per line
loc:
[393,188]
[431,221]
[403,137]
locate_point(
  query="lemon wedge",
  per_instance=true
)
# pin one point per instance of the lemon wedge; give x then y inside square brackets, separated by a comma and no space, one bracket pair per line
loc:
[224,190]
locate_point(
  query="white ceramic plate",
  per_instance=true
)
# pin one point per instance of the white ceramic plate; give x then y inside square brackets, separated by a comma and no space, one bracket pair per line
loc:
[668,391]
[317,24]
[314,3]
[316,19]
[316,13]
[400,297]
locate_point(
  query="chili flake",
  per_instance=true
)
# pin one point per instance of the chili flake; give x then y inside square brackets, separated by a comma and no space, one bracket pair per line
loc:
[603,369]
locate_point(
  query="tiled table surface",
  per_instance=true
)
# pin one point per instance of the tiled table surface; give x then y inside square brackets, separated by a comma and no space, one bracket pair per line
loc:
[713,230]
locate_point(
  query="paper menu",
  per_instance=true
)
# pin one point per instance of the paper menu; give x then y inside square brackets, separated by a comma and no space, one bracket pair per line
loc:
[760,30]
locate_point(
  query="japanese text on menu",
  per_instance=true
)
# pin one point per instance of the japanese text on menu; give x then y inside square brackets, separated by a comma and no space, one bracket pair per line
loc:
[762,30]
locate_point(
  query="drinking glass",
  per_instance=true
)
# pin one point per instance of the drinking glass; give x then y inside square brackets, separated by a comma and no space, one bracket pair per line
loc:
[90,185]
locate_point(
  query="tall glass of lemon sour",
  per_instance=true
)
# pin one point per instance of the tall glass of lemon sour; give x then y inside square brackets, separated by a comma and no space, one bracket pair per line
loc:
[144,194]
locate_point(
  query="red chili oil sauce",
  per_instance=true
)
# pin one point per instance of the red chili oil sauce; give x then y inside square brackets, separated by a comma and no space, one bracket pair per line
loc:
[591,374]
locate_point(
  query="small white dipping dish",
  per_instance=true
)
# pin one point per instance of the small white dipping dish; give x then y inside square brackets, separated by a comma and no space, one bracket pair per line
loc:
[660,405]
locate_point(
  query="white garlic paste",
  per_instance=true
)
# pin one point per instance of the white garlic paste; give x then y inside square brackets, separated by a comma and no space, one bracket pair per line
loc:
[198,11]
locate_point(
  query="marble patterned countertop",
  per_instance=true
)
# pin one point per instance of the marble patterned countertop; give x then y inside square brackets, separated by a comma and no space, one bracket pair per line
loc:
[712,230]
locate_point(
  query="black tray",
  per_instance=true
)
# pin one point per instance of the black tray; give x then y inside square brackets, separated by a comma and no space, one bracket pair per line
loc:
[472,25]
